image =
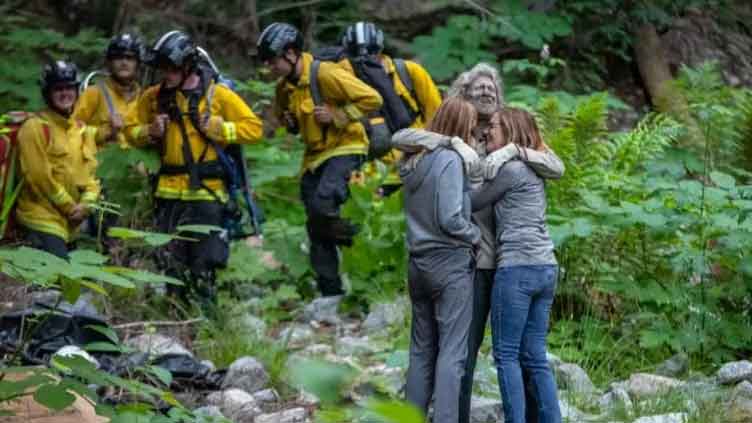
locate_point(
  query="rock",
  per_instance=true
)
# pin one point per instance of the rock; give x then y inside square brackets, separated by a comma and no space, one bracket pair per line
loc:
[664,418]
[318,350]
[307,399]
[572,377]
[486,410]
[253,325]
[643,385]
[237,405]
[674,366]
[739,410]
[157,345]
[246,373]
[266,396]
[734,372]
[391,379]
[553,360]
[209,411]
[742,390]
[293,415]
[383,316]
[323,309]
[615,399]
[83,305]
[208,364]
[349,345]
[296,335]
[570,414]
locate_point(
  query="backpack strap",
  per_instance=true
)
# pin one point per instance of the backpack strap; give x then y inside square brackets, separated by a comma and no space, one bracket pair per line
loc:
[313,80]
[405,77]
[107,98]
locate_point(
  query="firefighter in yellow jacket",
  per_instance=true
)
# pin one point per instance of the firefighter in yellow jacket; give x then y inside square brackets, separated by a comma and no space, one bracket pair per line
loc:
[106,104]
[57,155]
[416,95]
[336,142]
[190,117]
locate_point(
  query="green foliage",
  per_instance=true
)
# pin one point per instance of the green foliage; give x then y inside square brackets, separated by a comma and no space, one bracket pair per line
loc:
[30,43]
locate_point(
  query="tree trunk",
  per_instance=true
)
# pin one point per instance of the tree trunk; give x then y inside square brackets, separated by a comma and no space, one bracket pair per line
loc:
[658,80]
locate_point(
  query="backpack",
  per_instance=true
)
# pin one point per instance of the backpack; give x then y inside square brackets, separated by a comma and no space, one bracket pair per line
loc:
[10,180]
[395,113]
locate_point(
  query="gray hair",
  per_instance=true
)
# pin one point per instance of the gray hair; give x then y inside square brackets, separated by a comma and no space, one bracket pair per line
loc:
[461,85]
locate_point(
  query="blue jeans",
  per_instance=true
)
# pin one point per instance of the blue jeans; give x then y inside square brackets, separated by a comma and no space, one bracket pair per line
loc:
[520,307]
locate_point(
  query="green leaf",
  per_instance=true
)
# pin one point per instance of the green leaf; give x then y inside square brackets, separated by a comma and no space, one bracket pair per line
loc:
[395,411]
[200,229]
[103,347]
[723,180]
[106,331]
[54,397]
[323,379]
[87,257]
[162,374]
[71,290]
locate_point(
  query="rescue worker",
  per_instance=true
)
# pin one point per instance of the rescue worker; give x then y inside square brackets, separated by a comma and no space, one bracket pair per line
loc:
[57,156]
[190,118]
[421,97]
[107,103]
[336,142]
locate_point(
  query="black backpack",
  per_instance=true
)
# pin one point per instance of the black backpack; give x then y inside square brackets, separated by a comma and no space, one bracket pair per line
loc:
[395,114]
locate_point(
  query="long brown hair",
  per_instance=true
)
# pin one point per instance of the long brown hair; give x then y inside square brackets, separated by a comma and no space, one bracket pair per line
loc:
[456,117]
[518,126]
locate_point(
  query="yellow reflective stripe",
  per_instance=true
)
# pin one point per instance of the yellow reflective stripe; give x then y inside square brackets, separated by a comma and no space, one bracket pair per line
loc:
[60,197]
[311,163]
[229,132]
[89,197]
[352,112]
[190,195]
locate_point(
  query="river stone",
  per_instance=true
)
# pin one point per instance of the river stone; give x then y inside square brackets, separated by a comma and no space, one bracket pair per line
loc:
[157,345]
[296,335]
[674,366]
[246,373]
[349,346]
[486,410]
[664,418]
[644,385]
[236,404]
[615,399]
[293,415]
[323,309]
[734,372]
[253,325]
[383,316]
[572,377]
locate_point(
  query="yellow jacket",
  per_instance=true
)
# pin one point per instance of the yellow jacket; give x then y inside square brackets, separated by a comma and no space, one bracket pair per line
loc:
[425,105]
[238,124]
[58,172]
[91,108]
[350,98]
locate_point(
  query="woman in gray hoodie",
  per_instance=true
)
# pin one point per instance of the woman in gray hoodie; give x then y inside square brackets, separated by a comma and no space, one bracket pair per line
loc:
[441,240]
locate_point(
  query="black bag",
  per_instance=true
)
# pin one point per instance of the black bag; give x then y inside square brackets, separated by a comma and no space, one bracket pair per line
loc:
[394,115]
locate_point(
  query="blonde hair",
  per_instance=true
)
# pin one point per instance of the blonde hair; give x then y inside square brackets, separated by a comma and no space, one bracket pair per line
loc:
[456,117]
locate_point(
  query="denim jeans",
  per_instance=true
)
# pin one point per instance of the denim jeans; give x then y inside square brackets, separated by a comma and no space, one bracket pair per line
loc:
[520,307]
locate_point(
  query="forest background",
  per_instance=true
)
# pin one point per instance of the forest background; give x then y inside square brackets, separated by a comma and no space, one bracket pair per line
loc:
[647,103]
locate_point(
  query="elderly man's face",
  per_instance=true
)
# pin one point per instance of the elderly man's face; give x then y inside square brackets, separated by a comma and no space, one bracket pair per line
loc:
[483,95]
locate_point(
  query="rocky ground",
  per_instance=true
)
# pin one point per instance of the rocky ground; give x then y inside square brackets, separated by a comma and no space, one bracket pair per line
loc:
[320,332]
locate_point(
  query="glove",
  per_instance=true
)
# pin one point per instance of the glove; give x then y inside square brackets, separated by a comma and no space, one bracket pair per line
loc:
[498,158]
[214,128]
[473,164]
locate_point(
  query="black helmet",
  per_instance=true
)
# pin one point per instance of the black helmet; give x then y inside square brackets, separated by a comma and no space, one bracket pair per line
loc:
[175,48]
[59,73]
[125,45]
[363,38]
[276,39]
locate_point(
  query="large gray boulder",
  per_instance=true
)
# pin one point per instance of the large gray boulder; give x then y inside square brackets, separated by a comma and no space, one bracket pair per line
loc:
[246,373]
[734,372]
[645,385]
[235,404]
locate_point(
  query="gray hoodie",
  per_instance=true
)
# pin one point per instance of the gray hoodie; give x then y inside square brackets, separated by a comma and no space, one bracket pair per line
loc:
[437,204]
